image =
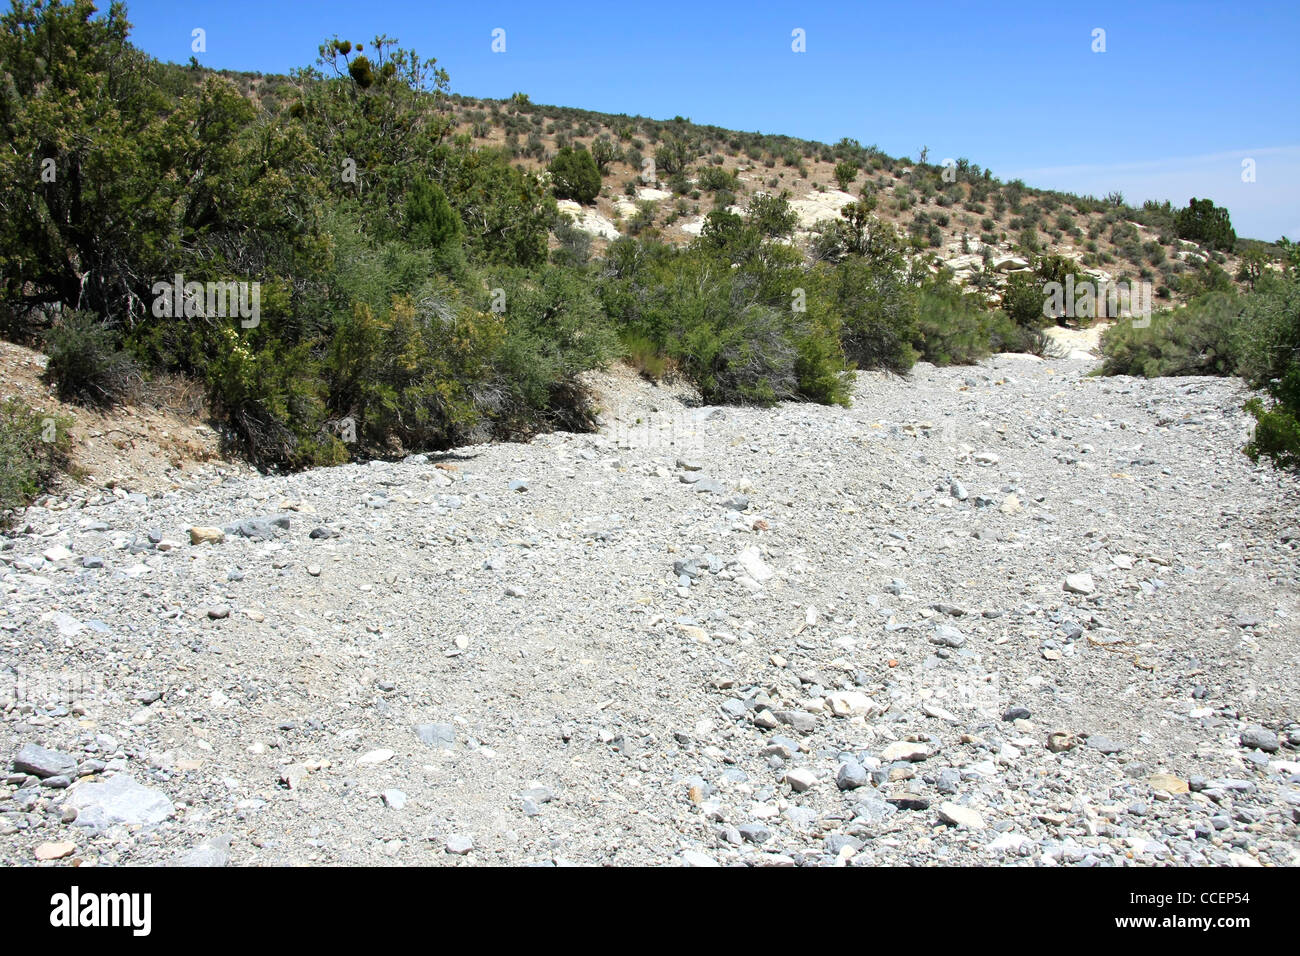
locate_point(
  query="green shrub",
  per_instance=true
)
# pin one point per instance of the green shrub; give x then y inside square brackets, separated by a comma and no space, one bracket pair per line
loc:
[1022,301]
[1206,223]
[953,328]
[87,362]
[771,216]
[1277,433]
[877,309]
[34,450]
[1201,339]
[430,221]
[574,175]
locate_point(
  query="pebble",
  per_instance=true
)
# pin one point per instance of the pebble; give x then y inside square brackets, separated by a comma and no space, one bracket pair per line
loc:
[956,815]
[459,844]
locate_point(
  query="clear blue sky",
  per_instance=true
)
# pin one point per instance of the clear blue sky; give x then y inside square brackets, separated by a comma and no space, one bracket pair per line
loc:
[1183,93]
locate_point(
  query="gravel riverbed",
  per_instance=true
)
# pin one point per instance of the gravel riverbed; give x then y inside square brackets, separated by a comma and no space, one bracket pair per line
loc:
[1006,613]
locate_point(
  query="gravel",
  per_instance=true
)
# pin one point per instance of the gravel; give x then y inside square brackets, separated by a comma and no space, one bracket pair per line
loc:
[824,649]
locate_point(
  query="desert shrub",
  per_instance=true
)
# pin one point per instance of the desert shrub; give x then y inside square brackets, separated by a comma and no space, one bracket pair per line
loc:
[574,248]
[1200,339]
[1022,301]
[736,333]
[771,216]
[555,330]
[644,355]
[714,179]
[1206,223]
[431,223]
[953,327]
[34,450]
[877,310]
[604,151]
[87,362]
[672,155]
[1277,427]
[574,175]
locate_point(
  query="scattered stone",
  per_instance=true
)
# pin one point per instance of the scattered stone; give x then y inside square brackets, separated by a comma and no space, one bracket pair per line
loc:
[905,750]
[958,816]
[442,736]
[459,844]
[1168,783]
[850,703]
[800,779]
[205,535]
[212,853]
[1060,742]
[947,636]
[119,799]
[55,851]
[1258,738]
[851,776]
[1080,584]
[1104,744]
[40,762]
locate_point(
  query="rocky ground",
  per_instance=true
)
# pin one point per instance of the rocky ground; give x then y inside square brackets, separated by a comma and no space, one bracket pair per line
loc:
[1008,613]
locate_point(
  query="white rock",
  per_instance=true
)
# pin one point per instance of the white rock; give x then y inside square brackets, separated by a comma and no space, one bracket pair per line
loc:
[1080,583]
[959,816]
[801,779]
[752,562]
[905,750]
[850,703]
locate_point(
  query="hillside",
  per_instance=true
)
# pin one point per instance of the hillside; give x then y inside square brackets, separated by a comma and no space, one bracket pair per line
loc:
[967,220]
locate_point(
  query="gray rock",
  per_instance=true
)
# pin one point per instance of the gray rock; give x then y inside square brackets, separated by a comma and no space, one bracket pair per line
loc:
[1104,744]
[851,776]
[118,799]
[948,781]
[40,762]
[1258,738]
[694,858]
[258,529]
[800,720]
[459,844]
[754,832]
[948,636]
[1080,584]
[873,810]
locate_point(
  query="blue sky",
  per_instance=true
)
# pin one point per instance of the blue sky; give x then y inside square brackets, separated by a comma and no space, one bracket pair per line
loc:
[1182,95]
